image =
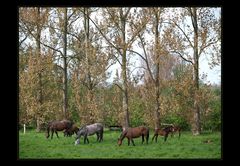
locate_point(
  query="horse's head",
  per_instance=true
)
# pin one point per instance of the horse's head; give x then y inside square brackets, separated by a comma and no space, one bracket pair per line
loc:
[81,131]
[172,129]
[77,142]
[119,142]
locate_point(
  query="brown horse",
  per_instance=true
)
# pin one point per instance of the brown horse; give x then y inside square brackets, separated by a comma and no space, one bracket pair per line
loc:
[175,129]
[163,132]
[136,132]
[71,131]
[55,126]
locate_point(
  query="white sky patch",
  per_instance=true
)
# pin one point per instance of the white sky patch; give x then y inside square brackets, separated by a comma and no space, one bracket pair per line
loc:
[213,75]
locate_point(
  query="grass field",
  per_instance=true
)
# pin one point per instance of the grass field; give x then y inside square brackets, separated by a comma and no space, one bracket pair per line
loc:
[34,145]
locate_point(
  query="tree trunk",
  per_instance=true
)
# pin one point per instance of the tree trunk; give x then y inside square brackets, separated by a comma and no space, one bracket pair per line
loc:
[124,71]
[196,128]
[88,74]
[125,91]
[40,95]
[65,90]
[157,88]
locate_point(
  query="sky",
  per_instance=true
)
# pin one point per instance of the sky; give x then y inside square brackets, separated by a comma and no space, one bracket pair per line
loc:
[213,75]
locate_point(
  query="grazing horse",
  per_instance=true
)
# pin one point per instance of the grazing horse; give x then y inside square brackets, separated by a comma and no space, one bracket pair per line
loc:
[55,126]
[85,131]
[136,132]
[175,129]
[163,132]
[71,131]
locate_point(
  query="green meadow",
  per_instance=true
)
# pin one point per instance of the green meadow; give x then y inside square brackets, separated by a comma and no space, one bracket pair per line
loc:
[33,145]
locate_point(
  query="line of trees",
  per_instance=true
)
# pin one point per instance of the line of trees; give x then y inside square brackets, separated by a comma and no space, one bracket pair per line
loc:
[65,55]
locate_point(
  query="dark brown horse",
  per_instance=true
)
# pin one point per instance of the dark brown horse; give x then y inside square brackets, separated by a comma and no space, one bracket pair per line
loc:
[71,131]
[136,132]
[162,132]
[55,126]
[175,129]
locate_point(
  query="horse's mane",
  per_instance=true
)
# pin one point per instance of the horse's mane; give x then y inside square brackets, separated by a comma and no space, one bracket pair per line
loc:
[84,126]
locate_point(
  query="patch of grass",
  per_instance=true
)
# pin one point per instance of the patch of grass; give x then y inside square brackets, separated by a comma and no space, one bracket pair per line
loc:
[34,145]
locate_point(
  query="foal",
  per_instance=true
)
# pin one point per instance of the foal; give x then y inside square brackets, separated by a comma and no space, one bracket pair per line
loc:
[71,131]
[163,132]
[175,129]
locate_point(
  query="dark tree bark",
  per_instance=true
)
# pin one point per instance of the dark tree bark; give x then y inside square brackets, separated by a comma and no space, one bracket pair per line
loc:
[40,94]
[65,83]
[124,68]
[196,128]
[157,88]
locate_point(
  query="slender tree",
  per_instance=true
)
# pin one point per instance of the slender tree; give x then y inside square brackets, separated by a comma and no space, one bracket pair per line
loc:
[197,32]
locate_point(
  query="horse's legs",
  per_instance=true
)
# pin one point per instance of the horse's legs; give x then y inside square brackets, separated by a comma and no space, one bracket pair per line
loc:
[165,137]
[52,133]
[132,142]
[153,137]
[101,136]
[86,139]
[179,134]
[156,137]
[98,137]
[56,133]
[47,133]
[147,137]
[142,138]
[128,141]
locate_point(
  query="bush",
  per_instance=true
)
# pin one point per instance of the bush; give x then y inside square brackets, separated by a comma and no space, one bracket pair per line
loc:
[212,119]
[176,120]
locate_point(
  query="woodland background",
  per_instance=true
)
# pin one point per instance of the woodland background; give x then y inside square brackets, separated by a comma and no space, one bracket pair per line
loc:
[66,59]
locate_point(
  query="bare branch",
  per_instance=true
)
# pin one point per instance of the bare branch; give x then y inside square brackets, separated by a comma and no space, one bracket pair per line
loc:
[139,67]
[137,54]
[52,48]
[29,31]
[181,31]
[145,53]
[119,87]
[136,33]
[20,43]
[104,36]
[202,47]
[117,59]
[127,12]
[183,57]
[69,33]
[71,15]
